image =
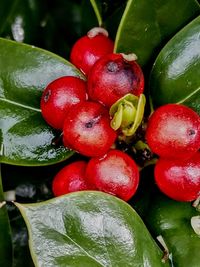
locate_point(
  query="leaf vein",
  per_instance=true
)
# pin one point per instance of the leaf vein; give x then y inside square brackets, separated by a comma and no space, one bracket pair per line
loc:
[19,104]
[187,97]
[75,243]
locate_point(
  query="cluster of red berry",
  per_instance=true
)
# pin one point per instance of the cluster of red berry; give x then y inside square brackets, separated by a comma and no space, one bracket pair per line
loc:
[173,133]
[80,109]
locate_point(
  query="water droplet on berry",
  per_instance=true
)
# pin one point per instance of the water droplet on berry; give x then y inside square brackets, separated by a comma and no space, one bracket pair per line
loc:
[112,66]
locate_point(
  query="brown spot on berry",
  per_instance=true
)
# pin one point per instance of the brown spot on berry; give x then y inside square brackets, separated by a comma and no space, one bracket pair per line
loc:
[47,95]
[191,132]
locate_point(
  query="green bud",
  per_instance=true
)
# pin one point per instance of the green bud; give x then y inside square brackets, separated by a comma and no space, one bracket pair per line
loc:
[127,113]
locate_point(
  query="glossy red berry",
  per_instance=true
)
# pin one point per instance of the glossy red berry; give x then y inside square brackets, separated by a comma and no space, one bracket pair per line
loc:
[59,96]
[115,173]
[87,129]
[178,179]
[112,77]
[71,178]
[173,131]
[88,49]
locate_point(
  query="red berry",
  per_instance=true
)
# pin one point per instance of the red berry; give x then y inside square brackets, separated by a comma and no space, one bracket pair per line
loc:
[87,50]
[71,178]
[115,173]
[59,96]
[112,77]
[178,179]
[173,131]
[87,129]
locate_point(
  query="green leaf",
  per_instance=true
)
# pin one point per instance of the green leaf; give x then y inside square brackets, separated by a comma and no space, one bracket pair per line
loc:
[65,22]
[5,236]
[88,229]
[147,24]
[172,220]
[175,75]
[20,20]
[24,73]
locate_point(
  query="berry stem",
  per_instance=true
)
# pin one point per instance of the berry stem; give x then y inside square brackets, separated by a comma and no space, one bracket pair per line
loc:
[166,250]
[129,57]
[97,30]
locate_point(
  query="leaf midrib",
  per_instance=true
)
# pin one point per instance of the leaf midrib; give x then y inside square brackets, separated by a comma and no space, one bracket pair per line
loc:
[31,243]
[81,248]
[188,97]
[19,104]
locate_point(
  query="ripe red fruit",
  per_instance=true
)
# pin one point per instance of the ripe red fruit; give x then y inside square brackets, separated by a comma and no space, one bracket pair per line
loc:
[71,178]
[87,129]
[178,179]
[173,131]
[112,77]
[115,173]
[59,96]
[88,49]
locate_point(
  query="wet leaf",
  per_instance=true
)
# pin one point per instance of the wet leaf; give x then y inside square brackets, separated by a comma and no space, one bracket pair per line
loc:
[24,73]
[172,220]
[175,74]
[146,25]
[88,229]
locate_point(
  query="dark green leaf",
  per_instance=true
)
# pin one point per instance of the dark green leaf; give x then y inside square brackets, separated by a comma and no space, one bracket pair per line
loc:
[5,235]
[147,24]
[109,14]
[113,20]
[88,229]
[21,252]
[88,17]
[20,20]
[24,73]
[176,72]
[4,12]
[172,220]
[65,22]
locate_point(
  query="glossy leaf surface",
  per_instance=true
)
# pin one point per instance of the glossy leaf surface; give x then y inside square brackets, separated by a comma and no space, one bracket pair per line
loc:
[175,77]
[172,220]
[5,233]
[147,24]
[24,73]
[88,229]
